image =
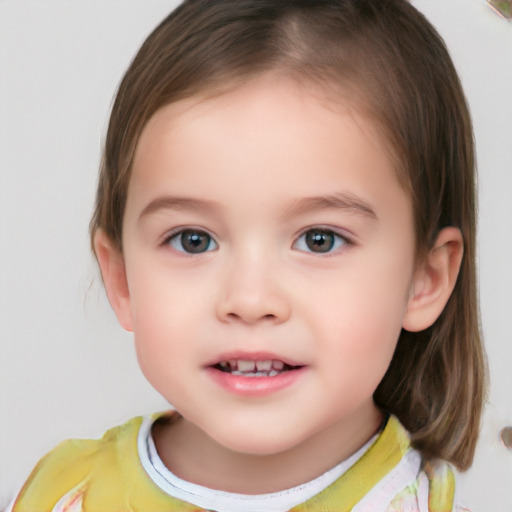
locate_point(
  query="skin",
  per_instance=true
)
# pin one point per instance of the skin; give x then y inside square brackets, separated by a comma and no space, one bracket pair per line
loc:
[259,290]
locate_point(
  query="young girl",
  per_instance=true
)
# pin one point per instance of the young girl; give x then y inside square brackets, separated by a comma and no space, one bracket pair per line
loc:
[285,219]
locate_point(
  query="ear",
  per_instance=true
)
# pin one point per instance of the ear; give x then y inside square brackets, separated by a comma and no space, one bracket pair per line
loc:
[113,271]
[434,280]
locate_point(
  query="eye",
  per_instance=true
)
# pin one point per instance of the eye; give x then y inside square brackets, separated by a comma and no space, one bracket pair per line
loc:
[320,241]
[192,241]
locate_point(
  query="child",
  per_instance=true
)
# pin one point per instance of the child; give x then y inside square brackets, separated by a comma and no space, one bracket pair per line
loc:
[285,219]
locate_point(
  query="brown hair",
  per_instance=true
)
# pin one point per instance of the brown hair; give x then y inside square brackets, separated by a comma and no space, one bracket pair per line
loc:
[388,58]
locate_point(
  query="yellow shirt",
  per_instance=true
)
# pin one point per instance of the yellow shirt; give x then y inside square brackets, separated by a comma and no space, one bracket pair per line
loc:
[107,475]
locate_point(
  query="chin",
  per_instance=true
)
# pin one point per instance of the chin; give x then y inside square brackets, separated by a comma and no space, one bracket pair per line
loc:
[259,441]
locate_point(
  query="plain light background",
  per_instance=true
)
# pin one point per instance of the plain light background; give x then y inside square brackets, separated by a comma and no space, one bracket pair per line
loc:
[66,368]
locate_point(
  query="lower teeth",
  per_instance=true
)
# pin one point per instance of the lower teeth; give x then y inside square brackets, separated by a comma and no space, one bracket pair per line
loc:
[271,373]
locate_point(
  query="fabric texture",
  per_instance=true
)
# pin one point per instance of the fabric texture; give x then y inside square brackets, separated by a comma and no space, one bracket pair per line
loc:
[107,475]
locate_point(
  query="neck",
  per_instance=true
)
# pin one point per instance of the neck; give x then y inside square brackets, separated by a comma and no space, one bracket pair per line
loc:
[195,457]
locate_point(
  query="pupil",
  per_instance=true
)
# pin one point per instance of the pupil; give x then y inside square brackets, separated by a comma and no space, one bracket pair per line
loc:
[195,242]
[319,241]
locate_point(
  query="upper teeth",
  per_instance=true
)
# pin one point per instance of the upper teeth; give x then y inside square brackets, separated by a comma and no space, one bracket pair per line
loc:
[248,366]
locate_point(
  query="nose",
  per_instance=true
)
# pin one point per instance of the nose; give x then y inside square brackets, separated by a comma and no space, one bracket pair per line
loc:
[253,291]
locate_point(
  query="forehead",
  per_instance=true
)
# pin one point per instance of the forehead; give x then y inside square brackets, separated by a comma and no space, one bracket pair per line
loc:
[264,99]
[268,132]
[296,90]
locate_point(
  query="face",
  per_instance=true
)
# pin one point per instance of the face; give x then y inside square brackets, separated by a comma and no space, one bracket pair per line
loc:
[269,254]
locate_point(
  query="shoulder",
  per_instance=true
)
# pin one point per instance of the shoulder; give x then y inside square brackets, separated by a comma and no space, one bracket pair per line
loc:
[433,490]
[68,471]
[413,483]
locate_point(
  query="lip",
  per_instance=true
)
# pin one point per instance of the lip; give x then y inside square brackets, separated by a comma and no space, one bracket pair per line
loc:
[255,386]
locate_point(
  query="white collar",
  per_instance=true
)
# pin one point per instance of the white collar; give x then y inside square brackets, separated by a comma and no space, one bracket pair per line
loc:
[211,499]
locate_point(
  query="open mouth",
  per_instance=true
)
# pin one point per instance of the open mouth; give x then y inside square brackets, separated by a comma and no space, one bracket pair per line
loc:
[247,368]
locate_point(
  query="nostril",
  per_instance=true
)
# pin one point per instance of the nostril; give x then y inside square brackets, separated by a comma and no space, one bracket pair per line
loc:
[251,306]
[249,317]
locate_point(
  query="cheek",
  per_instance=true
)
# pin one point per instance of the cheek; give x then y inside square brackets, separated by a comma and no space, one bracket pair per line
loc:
[160,297]
[360,348]
[166,306]
[365,333]
[162,348]
[360,316]
[158,315]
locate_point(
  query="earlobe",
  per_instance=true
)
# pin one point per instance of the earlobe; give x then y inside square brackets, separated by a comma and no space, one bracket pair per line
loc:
[434,280]
[113,271]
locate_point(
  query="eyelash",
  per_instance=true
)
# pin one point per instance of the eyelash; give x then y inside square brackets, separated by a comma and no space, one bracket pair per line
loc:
[301,243]
[338,243]
[177,237]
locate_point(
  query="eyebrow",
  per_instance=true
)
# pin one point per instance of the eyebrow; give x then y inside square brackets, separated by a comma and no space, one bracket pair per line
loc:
[177,203]
[338,201]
